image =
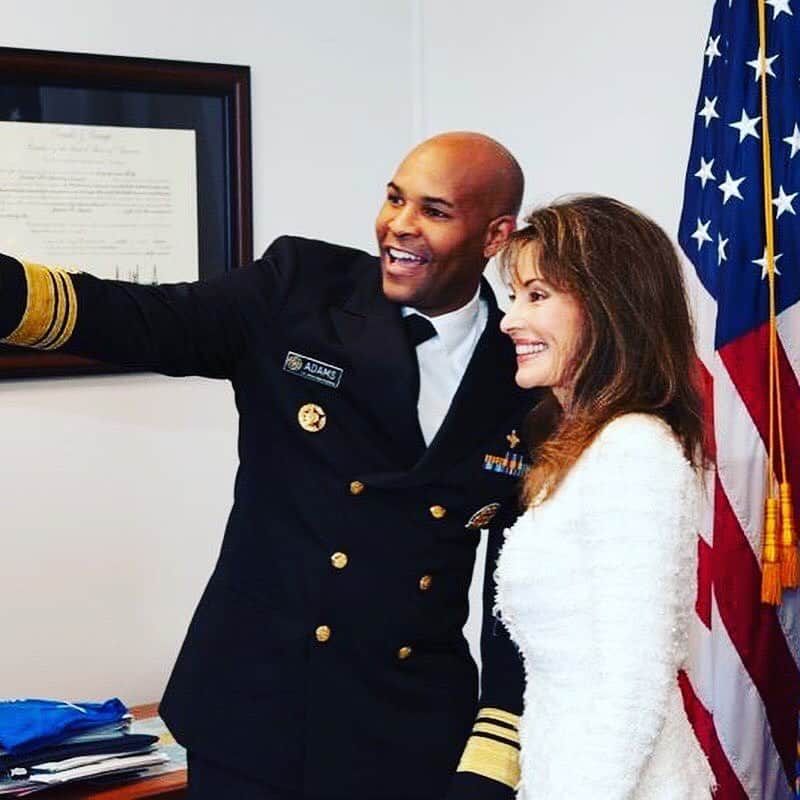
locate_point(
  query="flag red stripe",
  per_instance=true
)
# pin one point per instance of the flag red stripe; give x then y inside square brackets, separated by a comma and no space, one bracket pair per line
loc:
[754,628]
[706,383]
[704,572]
[728,785]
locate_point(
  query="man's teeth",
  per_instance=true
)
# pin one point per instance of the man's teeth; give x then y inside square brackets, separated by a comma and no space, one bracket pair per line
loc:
[404,256]
[530,349]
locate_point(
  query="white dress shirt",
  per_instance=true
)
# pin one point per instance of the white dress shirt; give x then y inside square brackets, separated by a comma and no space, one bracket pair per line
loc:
[443,359]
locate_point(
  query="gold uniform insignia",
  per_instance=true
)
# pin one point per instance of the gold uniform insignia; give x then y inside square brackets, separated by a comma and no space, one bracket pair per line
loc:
[312,418]
[293,363]
[483,516]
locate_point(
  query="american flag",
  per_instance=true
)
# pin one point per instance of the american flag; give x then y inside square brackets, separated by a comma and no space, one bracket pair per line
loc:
[742,685]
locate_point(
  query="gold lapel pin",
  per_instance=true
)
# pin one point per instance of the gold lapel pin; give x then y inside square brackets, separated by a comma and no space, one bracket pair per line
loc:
[312,418]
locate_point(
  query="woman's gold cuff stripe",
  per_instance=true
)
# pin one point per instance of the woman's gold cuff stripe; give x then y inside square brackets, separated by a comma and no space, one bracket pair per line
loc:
[496,730]
[500,716]
[51,309]
[491,759]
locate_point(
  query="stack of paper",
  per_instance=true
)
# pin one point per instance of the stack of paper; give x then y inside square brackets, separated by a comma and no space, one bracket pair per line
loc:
[48,743]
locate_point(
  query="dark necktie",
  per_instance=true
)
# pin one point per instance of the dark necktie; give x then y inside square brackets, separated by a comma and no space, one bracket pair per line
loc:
[419,329]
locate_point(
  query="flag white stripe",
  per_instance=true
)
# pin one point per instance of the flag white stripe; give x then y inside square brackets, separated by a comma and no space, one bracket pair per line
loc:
[739,717]
[700,666]
[704,312]
[741,456]
[789,333]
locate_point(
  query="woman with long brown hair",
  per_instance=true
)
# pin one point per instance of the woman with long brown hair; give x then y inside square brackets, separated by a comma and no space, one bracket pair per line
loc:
[597,579]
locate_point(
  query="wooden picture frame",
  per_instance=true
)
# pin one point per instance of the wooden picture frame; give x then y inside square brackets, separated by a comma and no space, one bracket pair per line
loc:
[213,100]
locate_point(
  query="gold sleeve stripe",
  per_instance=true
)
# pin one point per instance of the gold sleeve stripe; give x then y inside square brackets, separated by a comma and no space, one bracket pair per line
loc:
[59,313]
[51,309]
[499,715]
[494,722]
[491,759]
[495,730]
[72,310]
[38,307]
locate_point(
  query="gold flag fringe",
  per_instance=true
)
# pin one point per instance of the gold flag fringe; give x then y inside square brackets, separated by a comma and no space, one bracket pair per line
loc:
[770,559]
[790,562]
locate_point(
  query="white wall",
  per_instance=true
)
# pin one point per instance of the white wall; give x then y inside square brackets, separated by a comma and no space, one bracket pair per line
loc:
[591,97]
[115,490]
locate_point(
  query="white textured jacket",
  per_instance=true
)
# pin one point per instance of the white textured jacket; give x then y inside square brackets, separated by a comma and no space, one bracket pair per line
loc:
[596,585]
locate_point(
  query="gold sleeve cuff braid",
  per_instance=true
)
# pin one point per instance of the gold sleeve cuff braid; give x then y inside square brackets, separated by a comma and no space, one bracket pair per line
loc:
[51,309]
[493,749]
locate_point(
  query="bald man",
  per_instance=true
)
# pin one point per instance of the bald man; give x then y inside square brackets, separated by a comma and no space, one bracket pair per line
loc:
[379,433]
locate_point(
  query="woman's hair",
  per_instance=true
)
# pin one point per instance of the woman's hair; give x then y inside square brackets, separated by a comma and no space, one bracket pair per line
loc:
[636,352]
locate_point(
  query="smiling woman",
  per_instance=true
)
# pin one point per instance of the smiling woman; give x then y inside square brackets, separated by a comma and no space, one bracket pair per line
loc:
[596,580]
[547,326]
[600,314]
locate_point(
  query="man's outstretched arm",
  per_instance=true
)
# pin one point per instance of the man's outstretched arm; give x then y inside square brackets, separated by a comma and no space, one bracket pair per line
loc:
[178,329]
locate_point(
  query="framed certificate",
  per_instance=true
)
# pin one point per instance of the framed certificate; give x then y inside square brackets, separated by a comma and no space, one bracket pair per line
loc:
[128,168]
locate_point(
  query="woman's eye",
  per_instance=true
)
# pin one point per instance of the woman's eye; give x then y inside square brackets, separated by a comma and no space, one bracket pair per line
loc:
[394,199]
[512,297]
[534,296]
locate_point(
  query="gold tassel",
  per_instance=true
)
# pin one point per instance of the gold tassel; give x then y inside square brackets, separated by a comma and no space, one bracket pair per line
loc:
[790,563]
[770,561]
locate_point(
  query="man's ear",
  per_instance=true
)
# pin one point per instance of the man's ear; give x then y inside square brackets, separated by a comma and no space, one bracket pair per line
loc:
[497,232]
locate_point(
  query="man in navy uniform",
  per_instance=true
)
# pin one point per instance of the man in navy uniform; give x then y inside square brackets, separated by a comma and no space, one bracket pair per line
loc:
[378,435]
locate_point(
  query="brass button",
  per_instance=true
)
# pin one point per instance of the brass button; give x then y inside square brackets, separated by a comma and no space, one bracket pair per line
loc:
[323,633]
[437,512]
[425,583]
[356,487]
[404,652]
[339,560]
[312,418]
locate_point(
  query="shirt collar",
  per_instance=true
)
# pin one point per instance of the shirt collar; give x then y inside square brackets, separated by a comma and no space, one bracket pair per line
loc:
[454,326]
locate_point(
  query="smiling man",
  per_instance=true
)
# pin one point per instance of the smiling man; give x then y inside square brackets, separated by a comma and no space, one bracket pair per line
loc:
[449,207]
[379,427]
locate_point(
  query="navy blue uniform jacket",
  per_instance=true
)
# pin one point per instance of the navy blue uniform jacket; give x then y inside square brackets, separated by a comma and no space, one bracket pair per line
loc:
[347,675]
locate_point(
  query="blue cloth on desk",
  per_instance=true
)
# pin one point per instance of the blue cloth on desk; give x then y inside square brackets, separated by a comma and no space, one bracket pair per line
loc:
[26,725]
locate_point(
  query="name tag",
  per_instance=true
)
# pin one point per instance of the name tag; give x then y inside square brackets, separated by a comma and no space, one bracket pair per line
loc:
[313,370]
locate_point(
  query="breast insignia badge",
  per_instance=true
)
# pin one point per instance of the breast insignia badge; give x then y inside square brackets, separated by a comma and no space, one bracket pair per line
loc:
[483,516]
[513,464]
[312,418]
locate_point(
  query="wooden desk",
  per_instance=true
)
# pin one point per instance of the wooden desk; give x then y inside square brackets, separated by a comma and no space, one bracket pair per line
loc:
[171,786]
